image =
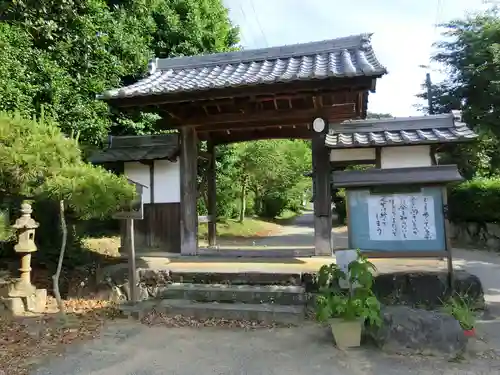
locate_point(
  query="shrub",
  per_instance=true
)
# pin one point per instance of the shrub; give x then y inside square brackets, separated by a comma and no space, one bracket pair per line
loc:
[272,205]
[338,197]
[39,163]
[476,200]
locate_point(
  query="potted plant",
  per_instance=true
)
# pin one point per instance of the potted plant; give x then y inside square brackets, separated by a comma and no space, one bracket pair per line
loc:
[461,310]
[347,308]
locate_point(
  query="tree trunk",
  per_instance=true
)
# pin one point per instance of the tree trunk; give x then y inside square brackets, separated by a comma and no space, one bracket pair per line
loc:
[57,275]
[243,206]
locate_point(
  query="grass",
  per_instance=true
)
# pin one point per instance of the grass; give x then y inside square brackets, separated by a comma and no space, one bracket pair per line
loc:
[250,228]
[108,246]
[286,217]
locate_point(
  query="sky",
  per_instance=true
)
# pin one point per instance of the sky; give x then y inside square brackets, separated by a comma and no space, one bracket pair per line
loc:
[403,34]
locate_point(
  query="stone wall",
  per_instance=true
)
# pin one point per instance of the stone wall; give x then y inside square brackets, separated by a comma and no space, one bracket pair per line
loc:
[485,235]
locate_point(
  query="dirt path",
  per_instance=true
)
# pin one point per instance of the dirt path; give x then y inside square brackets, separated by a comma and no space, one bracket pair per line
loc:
[299,233]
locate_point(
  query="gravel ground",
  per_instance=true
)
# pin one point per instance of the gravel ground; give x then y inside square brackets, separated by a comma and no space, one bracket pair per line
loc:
[174,347]
[128,348]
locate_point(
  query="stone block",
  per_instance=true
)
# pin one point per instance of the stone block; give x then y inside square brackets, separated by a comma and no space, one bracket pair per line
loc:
[272,294]
[419,288]
[37,302]
[427,289]
[14,305]
[493,230]
[407,330]
[493,243]
[234,278]
[234,311]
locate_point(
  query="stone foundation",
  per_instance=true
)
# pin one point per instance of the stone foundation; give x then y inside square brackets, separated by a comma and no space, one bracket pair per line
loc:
[18,302]
[410,288]
[482,235]
[426,289]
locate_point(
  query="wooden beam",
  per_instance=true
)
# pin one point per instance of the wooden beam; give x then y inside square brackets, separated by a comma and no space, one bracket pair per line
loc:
[351,84]
[286,132]
[279,117]
[188,181]
[212,196]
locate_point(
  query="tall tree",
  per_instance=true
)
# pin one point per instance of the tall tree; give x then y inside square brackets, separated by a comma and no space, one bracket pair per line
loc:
[38,162]
[274,171]
[71,50]
[470,51]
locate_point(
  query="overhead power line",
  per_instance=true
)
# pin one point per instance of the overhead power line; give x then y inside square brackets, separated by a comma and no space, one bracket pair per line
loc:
[258,23]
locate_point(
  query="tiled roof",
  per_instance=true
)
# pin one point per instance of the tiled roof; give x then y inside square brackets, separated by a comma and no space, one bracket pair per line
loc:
[398,131]
[343,57]
[396,176]
[136,148]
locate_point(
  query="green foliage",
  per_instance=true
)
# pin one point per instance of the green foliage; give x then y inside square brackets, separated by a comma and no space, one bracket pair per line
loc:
[38,161]
[460,308]
[6,231]
[476,200]
[272,205]
[357,301]
[274,170]
[90,191]
[58,54]
[470,51]
[339,198]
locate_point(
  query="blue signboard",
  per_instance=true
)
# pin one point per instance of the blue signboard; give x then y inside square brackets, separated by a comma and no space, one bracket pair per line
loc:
[396,221]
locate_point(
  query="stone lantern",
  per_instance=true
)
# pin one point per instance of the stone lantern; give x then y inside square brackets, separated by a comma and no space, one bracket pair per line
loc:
[25,227]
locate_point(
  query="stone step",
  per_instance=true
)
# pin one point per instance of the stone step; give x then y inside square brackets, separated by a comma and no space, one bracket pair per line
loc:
[261,253]
[266,313]
[153,276]
[270,294]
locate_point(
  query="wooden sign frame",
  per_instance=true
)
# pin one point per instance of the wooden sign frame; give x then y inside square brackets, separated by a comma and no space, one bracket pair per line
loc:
[135,211]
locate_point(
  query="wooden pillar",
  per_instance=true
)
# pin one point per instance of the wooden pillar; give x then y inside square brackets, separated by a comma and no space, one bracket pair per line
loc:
[322,194]
[212,195]
[150,217]
[132,270]
[188,172]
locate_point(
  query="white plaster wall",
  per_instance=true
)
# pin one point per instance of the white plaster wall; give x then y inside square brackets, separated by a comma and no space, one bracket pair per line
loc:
[167,181]
[352,154]
[405,157]
[139,173]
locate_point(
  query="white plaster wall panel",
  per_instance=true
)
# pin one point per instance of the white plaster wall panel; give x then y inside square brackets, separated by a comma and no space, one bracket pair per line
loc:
[167,182]
[352,154]
[406,156]
[139,173]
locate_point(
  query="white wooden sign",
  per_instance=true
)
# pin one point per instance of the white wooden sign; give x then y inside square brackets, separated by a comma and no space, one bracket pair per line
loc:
[401,217]
[343,258]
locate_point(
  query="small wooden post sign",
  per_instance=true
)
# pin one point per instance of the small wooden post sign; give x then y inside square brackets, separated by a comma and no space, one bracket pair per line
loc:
[135,211]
